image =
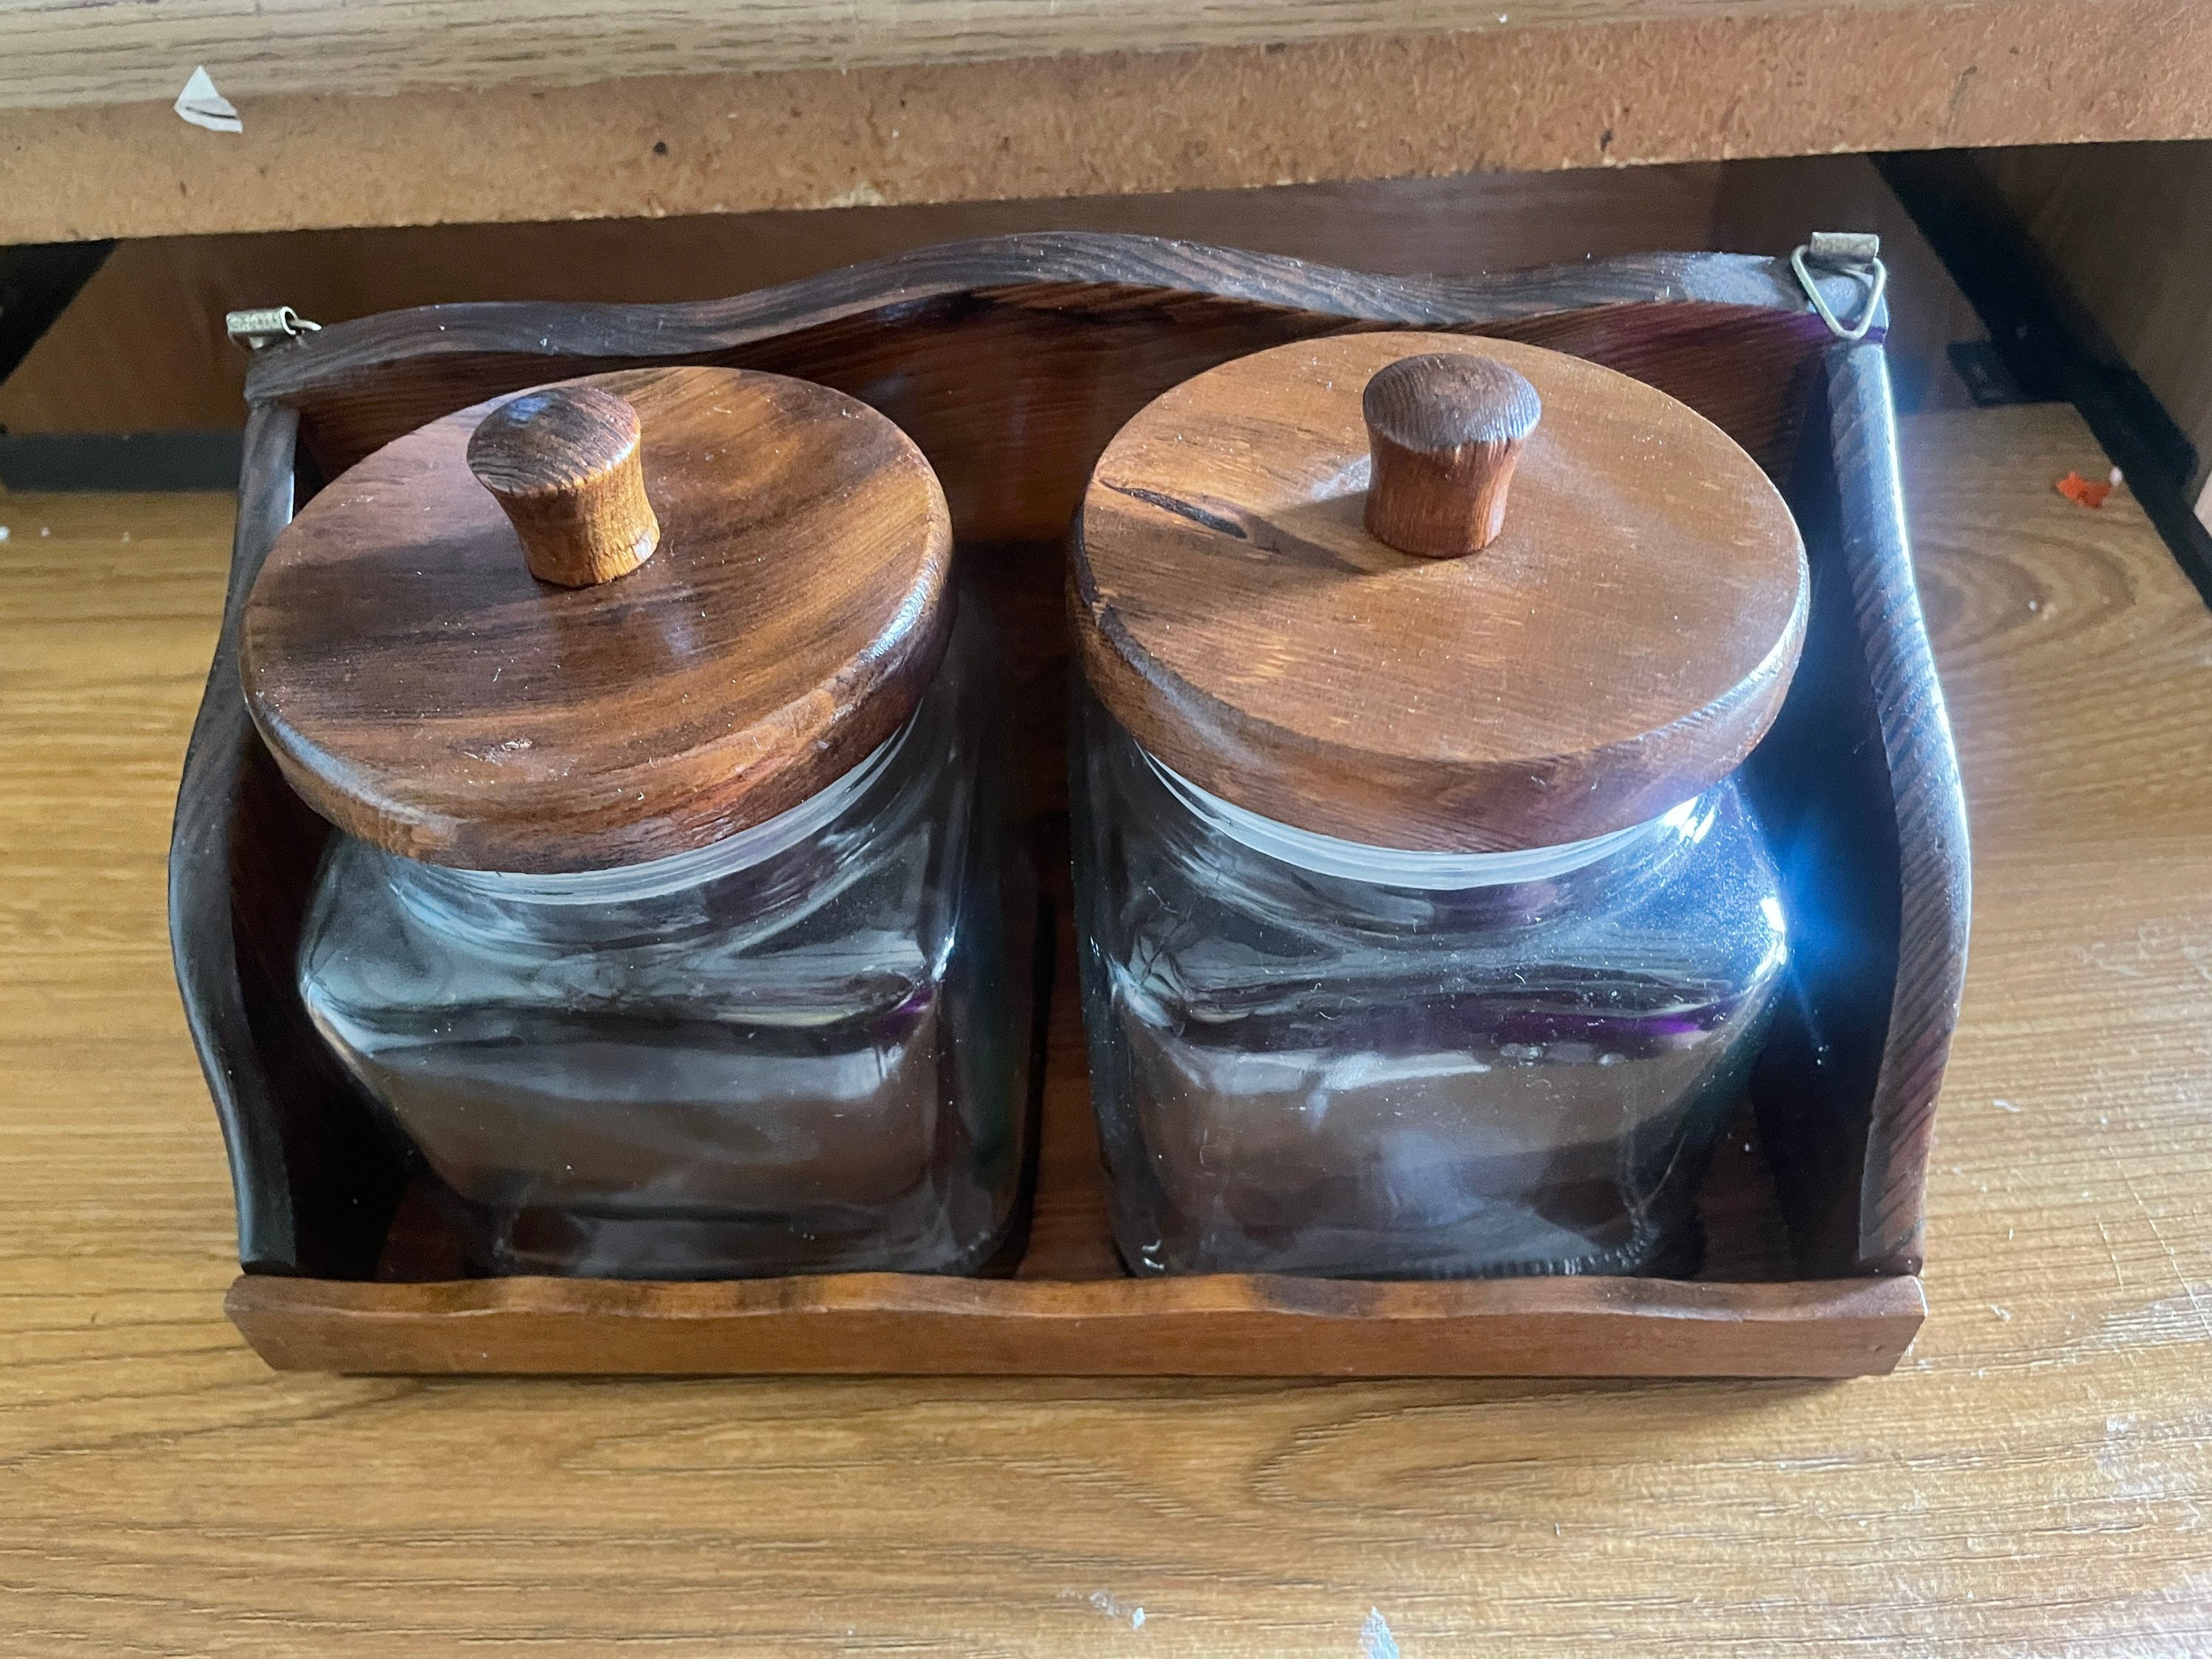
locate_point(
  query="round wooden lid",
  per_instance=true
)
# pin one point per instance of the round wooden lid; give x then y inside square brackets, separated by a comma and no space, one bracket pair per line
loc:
[1618,631]
[741,593]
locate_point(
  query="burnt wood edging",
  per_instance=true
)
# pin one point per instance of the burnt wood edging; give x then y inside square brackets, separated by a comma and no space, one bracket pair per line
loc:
[317,1183]
[662,332]
[1936,900]
[1217,1325]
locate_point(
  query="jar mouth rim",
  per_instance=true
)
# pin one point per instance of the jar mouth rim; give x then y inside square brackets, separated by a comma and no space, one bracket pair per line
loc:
[657,877]
[1398,866]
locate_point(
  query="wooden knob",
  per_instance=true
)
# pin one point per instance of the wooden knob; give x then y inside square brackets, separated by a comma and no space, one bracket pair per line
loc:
[1445,431]
[563,462]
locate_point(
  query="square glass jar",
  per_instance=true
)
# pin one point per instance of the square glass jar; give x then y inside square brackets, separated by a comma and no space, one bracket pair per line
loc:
[802,1050]
[1424,931]
[671,917]
[1313,1057]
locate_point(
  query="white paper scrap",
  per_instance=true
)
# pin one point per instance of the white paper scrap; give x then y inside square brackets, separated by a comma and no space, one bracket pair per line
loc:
[203,106]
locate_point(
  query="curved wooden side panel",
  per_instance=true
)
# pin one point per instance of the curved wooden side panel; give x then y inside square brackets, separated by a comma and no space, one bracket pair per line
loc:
[1935,899]
[241,850]
[1858,788]
[1217,1327]
[1012,361]
[1043,269]
[203,943]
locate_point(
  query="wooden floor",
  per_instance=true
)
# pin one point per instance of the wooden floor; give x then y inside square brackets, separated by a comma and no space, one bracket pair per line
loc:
[2034,1480]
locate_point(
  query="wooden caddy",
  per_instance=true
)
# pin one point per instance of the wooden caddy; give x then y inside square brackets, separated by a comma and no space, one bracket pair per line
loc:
[1011,363]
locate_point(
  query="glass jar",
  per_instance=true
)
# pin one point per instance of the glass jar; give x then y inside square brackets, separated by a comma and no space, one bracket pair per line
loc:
[801,1049]
[671,915]
[1313,1056]
[1423,927]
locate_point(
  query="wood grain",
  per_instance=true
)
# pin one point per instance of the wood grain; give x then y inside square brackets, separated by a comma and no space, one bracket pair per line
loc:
[1214,1326]
[1097,325]
[2034,1478]
[238,973]
[77,52]
[1934,903]
[1444,432]
[1660,85]
[564,464]
[1623,644]
[422,689]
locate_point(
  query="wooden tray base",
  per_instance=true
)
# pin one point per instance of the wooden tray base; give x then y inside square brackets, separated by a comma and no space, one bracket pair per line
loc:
[1223,1326]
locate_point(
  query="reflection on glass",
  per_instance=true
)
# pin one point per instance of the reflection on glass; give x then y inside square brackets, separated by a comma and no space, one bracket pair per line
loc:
[801,1049]
[1327,1060]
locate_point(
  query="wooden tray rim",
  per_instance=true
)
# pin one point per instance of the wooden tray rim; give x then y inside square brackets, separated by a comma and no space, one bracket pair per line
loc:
[588,332]
[1225,1325]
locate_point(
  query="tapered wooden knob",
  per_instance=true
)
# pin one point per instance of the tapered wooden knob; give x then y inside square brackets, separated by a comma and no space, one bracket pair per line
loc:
[1445,431]
[563,462]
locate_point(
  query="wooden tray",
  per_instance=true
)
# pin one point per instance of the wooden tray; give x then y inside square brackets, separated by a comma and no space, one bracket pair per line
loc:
[1012,362]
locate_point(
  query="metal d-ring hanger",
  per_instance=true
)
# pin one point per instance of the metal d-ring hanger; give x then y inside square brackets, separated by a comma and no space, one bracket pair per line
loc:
[265,325]
[1850,253]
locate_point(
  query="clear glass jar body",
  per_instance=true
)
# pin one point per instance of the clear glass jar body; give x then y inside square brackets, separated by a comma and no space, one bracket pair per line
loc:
[803,1049]
[1299,1071]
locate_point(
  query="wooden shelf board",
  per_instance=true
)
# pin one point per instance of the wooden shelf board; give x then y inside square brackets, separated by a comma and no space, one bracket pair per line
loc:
[380,113]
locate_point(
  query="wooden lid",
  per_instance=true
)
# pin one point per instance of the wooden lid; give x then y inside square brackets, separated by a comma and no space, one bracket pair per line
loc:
[742,596]
[1621,635]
